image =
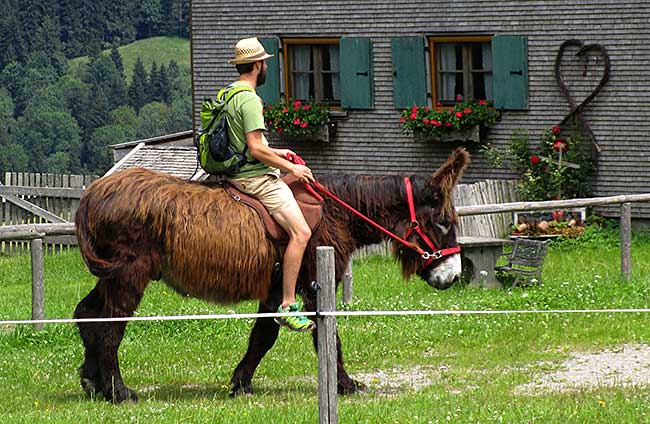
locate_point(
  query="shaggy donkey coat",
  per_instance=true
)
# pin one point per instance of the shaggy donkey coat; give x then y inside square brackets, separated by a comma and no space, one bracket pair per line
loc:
[138,225]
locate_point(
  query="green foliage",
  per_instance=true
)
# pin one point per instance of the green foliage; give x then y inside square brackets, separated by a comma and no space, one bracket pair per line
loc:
[154,120]
[542,175]
[99,155]
[294,117]
[95,94]
[46,133]
[424,121]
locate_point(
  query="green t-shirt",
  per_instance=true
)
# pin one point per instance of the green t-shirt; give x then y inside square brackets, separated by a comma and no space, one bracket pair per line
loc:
[245,111]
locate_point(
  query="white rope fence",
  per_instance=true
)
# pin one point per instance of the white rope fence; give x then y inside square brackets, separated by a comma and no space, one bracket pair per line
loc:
[323,314]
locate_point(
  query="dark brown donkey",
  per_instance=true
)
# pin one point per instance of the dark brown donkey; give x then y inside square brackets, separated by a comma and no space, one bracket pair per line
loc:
[137,225]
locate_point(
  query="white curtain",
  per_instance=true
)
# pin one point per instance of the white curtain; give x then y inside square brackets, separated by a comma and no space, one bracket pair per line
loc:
[447,79]
[302,66]
[334,62]
[487,65]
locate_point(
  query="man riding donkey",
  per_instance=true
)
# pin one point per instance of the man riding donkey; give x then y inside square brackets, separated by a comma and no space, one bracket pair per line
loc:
[260,176]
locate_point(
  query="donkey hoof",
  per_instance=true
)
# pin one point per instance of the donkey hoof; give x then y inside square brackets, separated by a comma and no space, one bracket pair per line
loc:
[89,386]
[121,395]
[241,390]
[353,387]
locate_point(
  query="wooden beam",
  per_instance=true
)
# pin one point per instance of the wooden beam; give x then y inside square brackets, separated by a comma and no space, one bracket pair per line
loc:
[38,284]
[65,192]
[60,229]
[551,204]
[326,302]
[626,241]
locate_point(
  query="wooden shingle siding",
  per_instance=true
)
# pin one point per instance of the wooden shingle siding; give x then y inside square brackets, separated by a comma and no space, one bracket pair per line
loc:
[370,141]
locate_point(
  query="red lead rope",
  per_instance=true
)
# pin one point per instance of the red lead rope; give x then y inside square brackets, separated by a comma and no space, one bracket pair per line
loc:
[428,257]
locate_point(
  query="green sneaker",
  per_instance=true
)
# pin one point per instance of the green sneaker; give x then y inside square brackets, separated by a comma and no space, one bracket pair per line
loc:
[298,323]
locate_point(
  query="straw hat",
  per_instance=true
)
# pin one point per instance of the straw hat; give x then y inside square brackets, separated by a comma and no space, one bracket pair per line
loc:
[249,50]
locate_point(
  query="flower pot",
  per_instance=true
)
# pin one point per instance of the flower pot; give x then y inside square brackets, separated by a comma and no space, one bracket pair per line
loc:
[473,135]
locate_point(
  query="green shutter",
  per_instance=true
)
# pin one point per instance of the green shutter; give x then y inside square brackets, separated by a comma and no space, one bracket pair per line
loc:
[270,90]
[355,65]
[409,72]
[510,71]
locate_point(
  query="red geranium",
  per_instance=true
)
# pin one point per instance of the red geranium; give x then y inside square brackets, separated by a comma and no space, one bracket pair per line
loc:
[560,144]
[296,121]
[556,130]
[467,111]
[459,114]
[534,159]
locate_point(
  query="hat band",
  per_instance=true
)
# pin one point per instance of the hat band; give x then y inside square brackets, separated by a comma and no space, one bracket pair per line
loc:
[258,56]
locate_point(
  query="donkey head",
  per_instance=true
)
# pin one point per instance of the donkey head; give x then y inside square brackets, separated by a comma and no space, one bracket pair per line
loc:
[437,219]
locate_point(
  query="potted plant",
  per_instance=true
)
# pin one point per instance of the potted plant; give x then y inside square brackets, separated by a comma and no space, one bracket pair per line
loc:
[297,120]
[463,122]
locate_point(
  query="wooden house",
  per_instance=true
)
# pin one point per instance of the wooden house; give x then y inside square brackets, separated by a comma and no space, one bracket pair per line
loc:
[369,60]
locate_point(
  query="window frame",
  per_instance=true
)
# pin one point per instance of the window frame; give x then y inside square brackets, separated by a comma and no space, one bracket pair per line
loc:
[286,47]
[433,40]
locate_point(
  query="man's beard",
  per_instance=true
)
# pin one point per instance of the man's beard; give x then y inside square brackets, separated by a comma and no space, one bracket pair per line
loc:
[261,77]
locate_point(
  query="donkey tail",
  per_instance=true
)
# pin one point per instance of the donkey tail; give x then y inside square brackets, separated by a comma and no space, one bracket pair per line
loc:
[86,233]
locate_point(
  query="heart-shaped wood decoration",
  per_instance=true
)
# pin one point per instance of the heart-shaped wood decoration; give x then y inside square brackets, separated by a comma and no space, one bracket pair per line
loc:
[576,109]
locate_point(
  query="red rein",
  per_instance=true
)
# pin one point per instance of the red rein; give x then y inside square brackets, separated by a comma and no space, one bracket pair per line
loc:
[414,226]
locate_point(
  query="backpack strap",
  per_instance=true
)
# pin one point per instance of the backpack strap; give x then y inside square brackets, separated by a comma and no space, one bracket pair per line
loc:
[229,94]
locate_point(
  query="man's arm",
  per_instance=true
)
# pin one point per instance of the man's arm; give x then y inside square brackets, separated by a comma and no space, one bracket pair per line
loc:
[275,157]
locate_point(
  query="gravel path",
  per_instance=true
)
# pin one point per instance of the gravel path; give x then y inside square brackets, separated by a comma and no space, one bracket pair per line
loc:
[624,366]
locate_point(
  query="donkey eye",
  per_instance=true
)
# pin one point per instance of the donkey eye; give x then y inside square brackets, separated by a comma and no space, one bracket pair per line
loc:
[444,230]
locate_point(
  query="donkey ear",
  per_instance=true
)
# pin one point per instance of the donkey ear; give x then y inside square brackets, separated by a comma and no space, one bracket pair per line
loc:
[450,172]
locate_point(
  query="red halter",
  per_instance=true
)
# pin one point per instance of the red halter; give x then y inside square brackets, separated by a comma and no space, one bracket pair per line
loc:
[415,226]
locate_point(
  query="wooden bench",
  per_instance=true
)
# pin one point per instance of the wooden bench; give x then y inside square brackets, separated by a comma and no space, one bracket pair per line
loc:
[479,256]
[526,260]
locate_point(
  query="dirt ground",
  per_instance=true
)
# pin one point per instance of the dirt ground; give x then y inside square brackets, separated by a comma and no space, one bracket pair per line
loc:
[626,365]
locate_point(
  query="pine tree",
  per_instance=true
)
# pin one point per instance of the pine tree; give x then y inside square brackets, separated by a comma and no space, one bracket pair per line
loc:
[164,85]
[138,87]
[116,57]
[154,85]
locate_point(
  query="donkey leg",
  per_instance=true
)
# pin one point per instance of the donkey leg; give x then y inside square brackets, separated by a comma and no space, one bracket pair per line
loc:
[262,338]
[89,307]
[101,371]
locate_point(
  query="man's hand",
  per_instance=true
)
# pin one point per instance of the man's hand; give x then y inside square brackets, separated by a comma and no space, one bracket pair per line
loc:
[302,173]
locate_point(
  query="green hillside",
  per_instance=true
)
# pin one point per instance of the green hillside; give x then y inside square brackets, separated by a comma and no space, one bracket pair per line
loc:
[155,49]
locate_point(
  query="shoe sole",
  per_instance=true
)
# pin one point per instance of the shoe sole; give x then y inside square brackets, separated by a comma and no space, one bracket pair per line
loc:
[297,330]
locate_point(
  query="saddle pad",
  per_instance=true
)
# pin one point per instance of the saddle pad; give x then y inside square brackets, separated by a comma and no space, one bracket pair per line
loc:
[310,206]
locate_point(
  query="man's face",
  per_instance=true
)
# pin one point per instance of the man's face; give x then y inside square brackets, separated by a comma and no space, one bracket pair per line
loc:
[261,76]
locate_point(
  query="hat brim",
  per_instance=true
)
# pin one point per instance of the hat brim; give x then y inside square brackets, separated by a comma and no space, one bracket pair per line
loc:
[249,59]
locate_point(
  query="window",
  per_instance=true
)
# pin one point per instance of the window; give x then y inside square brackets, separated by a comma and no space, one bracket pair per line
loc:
[462,69]
[312,70]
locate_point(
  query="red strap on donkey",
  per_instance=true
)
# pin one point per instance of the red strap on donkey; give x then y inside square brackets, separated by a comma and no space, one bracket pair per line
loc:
[428,257]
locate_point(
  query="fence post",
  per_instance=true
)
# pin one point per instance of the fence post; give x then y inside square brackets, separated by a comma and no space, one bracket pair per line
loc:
[347,282]
[326,302]
[626,241]
[38,286]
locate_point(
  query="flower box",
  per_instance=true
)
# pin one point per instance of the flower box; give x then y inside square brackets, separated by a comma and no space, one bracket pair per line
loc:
[473,135]
[320,136]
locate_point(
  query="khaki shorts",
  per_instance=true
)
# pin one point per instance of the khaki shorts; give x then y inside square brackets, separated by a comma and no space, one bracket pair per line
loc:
[269,189]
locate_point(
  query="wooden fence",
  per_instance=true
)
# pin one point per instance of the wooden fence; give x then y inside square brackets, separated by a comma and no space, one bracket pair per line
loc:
[31,198]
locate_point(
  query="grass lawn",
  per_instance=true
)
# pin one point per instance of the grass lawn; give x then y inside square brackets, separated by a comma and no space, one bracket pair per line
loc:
[470,365]
[155,49]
